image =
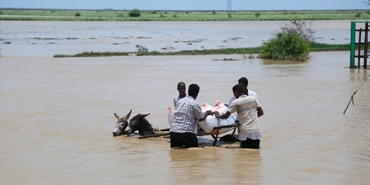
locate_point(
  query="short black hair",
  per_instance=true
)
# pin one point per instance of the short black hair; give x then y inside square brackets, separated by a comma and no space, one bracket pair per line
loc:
[193,90]
[238,88]
[181,83]
[243,80]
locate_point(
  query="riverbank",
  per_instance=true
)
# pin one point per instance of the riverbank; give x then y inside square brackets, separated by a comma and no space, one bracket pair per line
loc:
[177,15]
[246,52]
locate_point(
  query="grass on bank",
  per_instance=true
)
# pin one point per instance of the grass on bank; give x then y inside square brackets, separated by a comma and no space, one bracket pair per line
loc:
[161,15]
[242,51]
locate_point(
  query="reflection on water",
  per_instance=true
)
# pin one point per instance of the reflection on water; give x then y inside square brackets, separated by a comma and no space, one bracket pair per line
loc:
[268,61]
[57,116]
[228,166]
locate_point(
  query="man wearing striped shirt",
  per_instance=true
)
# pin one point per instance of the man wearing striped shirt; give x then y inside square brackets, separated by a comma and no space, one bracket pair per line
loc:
[187,114]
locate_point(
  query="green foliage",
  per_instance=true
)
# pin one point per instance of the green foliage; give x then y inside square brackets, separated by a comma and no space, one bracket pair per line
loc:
[174,16]
[257,14]
[134,13]
[120,15]
[314,46]
[358,15]
[77,14]
[161,16]
[213,12]
[196,15]
[286,46]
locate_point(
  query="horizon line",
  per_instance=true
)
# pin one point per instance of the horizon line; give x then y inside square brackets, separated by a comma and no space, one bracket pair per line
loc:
[111,9]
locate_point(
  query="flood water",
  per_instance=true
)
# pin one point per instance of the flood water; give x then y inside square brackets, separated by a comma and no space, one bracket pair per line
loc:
[57,113]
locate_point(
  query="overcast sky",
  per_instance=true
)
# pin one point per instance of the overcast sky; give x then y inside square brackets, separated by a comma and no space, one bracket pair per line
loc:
[187,4]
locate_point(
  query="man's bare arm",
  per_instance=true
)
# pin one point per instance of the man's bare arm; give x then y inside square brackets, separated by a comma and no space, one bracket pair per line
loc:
[223,116]
[259,111]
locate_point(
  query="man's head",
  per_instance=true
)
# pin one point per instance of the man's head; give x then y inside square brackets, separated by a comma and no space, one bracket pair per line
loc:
[238,90]
[193,90]
[181,87]
[243,81]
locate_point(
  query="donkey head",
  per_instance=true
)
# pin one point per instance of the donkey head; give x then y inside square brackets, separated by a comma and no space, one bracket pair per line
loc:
[121,124]
[141,124]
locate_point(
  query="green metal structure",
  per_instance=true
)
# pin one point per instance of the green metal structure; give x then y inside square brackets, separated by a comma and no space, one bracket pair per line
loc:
[359,43]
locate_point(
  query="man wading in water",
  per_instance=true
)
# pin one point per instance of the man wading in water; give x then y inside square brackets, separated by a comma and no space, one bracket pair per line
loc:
[187,114]
[248,109]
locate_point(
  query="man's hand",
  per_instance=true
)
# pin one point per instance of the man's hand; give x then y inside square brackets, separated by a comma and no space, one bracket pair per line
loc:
[209,112]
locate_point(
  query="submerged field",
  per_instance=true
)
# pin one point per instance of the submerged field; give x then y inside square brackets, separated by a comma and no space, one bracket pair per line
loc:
[162,15]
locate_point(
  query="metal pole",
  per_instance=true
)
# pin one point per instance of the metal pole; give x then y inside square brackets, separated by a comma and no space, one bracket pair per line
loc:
[352,47]
[366,44]
[359,49]
[229,7]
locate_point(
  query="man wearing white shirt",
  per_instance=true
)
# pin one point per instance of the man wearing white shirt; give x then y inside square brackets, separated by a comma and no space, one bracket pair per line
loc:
[248,110]
[181,87]
[243,81]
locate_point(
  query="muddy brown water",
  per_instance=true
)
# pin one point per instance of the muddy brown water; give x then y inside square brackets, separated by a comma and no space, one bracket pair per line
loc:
[57,113]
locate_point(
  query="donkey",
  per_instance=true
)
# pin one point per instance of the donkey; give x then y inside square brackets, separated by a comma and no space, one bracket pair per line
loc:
[138,122]
[121,124]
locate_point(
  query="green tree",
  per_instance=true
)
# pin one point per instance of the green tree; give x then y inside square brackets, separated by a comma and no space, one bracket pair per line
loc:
[134,13]
[257,14]
[286,46]
[77,14]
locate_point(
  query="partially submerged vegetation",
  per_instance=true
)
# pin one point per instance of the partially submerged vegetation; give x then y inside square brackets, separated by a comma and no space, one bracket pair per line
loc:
[291,43]
[294,42]
[178,15]
[241,51]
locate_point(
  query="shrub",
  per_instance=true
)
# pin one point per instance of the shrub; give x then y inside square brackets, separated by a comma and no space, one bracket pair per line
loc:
[358,15]
[77,14]
[286,46]
[257,14]
[302,28]
[213,12]
[120,15]
[174,16]
[161,16]
[134,13]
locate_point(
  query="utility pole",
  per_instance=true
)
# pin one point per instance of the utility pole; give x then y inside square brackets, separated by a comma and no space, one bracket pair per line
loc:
[229,8]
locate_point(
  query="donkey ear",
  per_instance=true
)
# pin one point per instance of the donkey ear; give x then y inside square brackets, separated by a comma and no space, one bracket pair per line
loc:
[117,116]
[128,115]
[144,115]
